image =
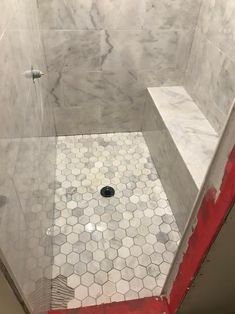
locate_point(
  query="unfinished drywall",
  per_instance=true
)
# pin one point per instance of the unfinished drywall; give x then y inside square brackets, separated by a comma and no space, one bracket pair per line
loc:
[213,289]
[8,301]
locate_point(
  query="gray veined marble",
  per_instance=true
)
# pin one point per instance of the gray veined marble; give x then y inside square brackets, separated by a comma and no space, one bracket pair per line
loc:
[161,76]
[92,14]
[104,78]
[145,49]
[167,14]
[125,15]
[210,77]
[66,50]
[181,142]
[194,137]
[7,9]
[217,23]
[68,14]
[123,46]
[210,80]
[118,14]
[98,102]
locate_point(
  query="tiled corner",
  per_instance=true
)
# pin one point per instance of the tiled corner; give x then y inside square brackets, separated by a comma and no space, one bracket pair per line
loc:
[110,249]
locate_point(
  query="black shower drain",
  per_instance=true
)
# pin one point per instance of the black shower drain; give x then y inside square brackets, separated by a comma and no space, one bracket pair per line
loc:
[107,191]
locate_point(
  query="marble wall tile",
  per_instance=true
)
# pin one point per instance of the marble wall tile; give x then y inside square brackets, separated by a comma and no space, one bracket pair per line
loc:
[210,75]
[11,99]
[17,120]
[92,14]
[217,23]
[46,109]
[100,101]
[69,14]
[161,76]
[54,89]
[26,16]
[121,49]
[83,90]
[144,49]
[121,14]
[210,79]
[189,129]
[116,38]
[118,14]
[101,87]
[124,100]
[111,69]
[175,177]
[72,121]
[27,156]
[108,99]
[66,50]
[179,14]
[7,9]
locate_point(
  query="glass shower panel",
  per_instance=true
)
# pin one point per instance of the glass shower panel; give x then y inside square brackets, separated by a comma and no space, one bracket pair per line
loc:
[27,156]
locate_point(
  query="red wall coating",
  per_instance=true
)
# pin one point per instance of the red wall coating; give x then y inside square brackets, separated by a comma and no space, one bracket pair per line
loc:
[141,306]
[211,215]
[212,212]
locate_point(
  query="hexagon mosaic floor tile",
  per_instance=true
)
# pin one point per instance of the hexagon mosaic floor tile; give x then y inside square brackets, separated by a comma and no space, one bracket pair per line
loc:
[109,249]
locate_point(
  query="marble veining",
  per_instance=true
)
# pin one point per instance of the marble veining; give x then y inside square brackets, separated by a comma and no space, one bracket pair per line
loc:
[97,101]
[126,45]
[180,14]
[210,76]
[193,135]
[217,23]
[145,49]
[69,14]
[121,14]
[118,14]
[102,75]
[72,49]
[92,14]
[211,86]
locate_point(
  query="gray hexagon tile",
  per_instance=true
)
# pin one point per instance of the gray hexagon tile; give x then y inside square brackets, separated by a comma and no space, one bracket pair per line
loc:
[109,249]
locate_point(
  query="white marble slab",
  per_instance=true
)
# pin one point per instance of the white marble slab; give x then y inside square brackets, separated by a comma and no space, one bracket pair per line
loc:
[217,23]
[193,135]
[209,79]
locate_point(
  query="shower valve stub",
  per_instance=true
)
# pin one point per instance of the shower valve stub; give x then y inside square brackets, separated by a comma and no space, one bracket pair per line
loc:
[33,74]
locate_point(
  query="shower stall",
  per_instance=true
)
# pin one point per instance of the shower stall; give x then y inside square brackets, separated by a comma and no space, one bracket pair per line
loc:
[134,98]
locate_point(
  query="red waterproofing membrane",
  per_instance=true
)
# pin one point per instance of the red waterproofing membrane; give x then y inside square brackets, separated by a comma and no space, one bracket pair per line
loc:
[211,215]
[141,306]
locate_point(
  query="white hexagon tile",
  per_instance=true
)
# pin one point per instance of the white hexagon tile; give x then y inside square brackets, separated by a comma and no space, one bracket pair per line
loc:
[109,249]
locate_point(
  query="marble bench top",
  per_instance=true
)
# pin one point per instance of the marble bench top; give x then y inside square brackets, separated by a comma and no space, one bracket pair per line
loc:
[192,133]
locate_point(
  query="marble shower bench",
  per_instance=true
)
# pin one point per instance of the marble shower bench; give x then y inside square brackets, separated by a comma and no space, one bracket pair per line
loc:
[181,142]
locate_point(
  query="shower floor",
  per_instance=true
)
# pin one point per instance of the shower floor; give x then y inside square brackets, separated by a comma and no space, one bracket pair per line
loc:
[109,249]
